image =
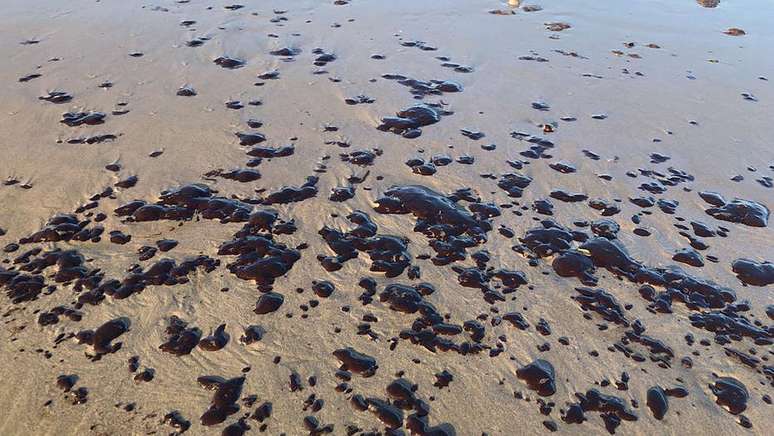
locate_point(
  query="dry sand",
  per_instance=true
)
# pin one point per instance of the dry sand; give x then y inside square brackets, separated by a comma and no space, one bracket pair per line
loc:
[624,80]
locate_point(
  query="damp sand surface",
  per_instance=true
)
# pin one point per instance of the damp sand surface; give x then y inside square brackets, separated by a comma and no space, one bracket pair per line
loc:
[397,217]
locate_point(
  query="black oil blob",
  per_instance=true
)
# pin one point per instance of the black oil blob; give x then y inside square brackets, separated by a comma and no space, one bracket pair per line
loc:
[657,402]
[268,302]
[270,152]
[183,202]
[242,175]
[731,394]
[603,303]
[65,382]
[102,338]
[342,193]
[252,334]
[259,257]
[250,138]
[741,211]
[186,91]
[352,360]
[388,254]
[568,197]
[292,194]
[285,51]
[57,97]
[573,263]
[754,273]
[216,341]
[451,228]
[177,421]
[540,377]
[181,339]
[611,408]
[514,184]
[689,256]
[359,99]
[442,379]
[421,88]
[230,63]
[729,322]
[262,412]
[391,416]
[323,288]
[224,400]
[408,121]
[73,119]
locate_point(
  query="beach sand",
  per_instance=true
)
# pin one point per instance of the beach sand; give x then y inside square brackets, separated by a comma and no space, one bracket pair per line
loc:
[419,241]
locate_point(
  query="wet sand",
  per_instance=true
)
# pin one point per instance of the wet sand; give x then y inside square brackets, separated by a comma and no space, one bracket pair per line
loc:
[400,217]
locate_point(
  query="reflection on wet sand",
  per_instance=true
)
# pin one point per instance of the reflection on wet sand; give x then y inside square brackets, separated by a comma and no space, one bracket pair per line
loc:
[708,3]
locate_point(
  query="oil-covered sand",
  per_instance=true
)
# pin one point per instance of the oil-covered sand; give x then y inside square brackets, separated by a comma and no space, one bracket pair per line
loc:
[396,217]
